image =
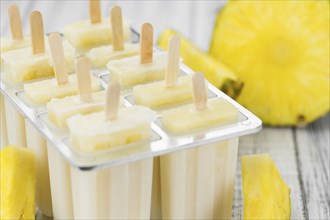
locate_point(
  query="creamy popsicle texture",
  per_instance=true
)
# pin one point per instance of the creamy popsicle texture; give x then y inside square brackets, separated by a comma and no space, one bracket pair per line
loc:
[121,192]
[8,44]
[100,56]
[43,91]
[85,34]
[187,118]
[91,132]
[59,110]
[129,71]
[21,65]
[199,183]
[156,94]
[37,143]
[94,32]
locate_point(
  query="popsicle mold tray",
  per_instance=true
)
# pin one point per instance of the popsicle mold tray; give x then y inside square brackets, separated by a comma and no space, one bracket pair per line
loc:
[162,141]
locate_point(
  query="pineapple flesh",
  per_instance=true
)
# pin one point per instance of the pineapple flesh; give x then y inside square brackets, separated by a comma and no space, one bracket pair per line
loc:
[215,72]
[280,50]
[266,196]
[17,192]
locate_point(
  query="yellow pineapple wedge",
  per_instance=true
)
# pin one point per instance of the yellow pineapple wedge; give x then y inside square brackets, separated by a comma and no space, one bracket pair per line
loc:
[215,72]
[266,196]
[280,50]
[17,181]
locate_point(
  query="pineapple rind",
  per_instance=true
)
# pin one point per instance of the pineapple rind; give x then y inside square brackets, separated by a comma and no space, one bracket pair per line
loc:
[266,195]
[280,50]
[18,169]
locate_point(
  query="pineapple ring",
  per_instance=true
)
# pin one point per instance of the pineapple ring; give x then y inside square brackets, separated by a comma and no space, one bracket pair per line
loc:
[280,50]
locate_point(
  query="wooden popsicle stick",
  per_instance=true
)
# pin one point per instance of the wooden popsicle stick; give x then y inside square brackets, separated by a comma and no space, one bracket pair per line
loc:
[15,22]
[84,79]
[112,101]
[37,33]
[173,61]
[57,56]
[117,28]
[146,43]
[199,91]
[95,11]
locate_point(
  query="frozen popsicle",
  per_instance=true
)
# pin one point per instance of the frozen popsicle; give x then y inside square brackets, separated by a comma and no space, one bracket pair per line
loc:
[201,113]
[100,56]
[32,63]
[59,110]
[93,32]
[105,192]
[17,40]
[140,69]
[41,92]
[170,91]
[118,127]
[198,183]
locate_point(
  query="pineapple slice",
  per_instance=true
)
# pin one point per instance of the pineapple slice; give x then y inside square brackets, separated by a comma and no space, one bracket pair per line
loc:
[280,50]
[215,72]
[266,196]
[18,170]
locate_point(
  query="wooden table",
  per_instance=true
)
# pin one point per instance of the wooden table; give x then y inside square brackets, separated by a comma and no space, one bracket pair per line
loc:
[302,157]
[301,154]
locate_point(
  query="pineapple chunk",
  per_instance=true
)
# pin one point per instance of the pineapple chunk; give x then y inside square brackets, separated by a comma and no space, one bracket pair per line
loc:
[266,196]
[156,94]
[129,71]
[100,56]
[21,65]
[17,191]
[91,132]
[186,118]
[85,34]
[43,91]
[8,44]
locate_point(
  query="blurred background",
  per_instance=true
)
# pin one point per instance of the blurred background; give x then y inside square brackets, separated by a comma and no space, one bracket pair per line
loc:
[192,18]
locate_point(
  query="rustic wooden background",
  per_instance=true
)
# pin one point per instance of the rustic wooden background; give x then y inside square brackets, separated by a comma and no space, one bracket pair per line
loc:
[301,154]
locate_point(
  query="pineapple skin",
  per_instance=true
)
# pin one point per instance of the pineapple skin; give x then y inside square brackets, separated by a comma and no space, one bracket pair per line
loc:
[17,181]
[215,72]
[266,195]
[280,50]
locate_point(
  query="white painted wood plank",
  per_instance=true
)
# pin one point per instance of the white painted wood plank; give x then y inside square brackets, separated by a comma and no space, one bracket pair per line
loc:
[279,143]
[314,161]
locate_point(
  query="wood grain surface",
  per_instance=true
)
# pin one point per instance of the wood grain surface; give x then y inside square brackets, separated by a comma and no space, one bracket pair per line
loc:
[301,154]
